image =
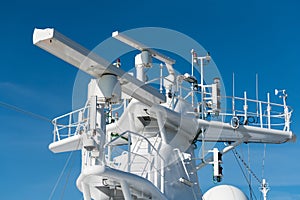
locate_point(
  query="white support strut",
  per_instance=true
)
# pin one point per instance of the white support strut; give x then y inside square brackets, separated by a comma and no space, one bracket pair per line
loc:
[126,190]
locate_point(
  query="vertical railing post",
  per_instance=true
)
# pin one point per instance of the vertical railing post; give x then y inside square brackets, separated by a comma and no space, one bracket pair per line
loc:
[260,115]
[54,131]
[286,114]
[245,108]
[129,152]
[193,58]
[269,111]
[161,78]
[70,125]
[202,87]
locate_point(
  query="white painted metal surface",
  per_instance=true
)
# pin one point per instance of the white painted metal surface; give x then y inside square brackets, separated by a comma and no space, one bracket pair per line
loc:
[147,150]
[73,53]
[137,45]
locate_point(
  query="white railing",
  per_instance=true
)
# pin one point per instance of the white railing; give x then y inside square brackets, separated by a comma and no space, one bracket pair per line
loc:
[251,112]
[70,124]
[260,113]
[264,114]
[257,113]
[152,163]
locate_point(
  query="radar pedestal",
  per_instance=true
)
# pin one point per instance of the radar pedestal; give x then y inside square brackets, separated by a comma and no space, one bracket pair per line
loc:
[102,91]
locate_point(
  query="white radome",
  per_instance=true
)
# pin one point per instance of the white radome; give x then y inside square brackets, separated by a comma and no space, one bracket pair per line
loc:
[224,192]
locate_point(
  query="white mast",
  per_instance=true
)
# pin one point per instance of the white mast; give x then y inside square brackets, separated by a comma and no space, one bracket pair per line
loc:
[264,188]
[159,162]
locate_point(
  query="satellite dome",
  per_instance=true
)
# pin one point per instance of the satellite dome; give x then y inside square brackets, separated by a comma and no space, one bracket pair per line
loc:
[224,192]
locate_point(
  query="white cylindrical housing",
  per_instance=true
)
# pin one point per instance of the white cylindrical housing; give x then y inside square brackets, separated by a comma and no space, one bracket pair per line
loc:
[140,75]
[142,60]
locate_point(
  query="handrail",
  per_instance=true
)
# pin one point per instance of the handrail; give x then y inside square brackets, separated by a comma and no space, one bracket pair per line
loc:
[131,159]
[139,135]
[71,128]
[153,80]
[264,109]
[148,161]
[68,114]
[119,107]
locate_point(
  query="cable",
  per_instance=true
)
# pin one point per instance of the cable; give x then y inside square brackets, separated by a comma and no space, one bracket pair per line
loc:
[249,175]
[246,166]
[69,173]
[67,179]
[62,172]
[263,162]
[60,176]
[26,112]
[236,157]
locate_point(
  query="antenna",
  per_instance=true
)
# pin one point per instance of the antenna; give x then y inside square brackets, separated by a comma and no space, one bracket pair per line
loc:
[233,95]
[256,92]
[256,85]
[264,188]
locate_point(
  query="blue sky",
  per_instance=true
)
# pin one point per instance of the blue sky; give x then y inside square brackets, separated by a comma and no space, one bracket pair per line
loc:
[245,37]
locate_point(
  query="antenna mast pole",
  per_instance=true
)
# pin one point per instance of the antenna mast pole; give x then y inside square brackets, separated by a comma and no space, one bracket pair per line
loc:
[264,188]
[256,93]
[233,95]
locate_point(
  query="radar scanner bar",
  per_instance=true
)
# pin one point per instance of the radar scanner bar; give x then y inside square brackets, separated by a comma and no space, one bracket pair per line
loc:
[59,45]
[139,46]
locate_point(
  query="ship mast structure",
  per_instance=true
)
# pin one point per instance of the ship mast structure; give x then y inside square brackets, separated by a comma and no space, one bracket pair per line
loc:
[148,152]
